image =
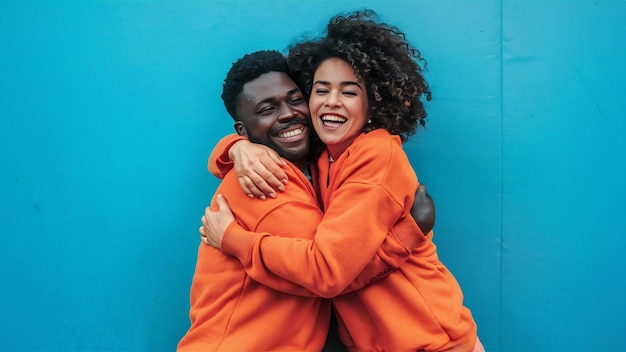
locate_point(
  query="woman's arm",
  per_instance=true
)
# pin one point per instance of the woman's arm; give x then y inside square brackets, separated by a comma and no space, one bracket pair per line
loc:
[295,217]
[257,166]
[260,174]
[361,217]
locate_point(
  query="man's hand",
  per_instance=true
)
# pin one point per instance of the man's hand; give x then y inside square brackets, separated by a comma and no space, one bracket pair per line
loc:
[214,223]
[258,169]
[423,210]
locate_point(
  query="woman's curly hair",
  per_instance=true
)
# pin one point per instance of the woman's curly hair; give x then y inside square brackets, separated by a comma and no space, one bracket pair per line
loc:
[380,54]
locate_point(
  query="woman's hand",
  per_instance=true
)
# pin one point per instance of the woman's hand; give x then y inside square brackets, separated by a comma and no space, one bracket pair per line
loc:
[258,169]
[214,223]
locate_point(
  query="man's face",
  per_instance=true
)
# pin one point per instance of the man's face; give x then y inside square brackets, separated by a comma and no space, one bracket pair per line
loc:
[272,111]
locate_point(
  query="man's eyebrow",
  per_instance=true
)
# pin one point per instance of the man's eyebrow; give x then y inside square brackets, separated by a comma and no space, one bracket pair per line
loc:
[293,91]
[270,99]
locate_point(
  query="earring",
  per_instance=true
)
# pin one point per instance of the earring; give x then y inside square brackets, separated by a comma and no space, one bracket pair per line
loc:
[369,121]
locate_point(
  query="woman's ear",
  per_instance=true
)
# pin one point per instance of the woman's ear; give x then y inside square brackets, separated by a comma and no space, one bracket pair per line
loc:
[241,129]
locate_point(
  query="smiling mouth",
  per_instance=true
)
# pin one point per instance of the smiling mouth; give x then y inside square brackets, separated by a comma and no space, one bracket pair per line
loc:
[290,133]
[332,120]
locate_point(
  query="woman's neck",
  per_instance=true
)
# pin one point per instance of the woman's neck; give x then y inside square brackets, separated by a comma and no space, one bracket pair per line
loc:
[335,153]
[336,150]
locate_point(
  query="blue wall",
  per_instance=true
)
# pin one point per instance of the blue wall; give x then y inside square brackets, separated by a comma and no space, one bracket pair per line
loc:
[109,109]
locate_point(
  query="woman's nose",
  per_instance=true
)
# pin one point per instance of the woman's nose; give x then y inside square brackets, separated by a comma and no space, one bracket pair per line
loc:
[331,99]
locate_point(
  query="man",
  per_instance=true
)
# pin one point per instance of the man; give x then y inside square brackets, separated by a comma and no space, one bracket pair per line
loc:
[230,311]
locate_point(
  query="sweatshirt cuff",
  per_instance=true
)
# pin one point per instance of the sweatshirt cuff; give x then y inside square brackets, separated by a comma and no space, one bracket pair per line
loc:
[219,163]
[238,242]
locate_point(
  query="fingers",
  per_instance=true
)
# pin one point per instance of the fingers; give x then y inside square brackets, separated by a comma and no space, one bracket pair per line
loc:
[203,237]
[264,183]
[277,159]
[267,176]
[215,223]
[244,181]
[251,187]
[222,204]
[421,193]
[423,210]
[270,179]
[275,169]
[258,169]
[212,229]
[223,210]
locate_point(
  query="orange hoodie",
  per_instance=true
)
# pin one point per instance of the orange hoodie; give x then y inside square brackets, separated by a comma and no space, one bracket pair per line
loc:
[368,197]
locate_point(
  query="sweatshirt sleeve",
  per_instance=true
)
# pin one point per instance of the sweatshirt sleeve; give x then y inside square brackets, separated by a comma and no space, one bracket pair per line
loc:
[219,162]
[360,217]
[246,239]
[241,242]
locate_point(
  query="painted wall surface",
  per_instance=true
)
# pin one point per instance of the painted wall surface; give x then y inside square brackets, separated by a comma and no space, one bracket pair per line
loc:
[109,110]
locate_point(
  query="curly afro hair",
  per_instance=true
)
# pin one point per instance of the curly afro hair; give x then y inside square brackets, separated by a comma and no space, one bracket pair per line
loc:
[246,69]
[380,54]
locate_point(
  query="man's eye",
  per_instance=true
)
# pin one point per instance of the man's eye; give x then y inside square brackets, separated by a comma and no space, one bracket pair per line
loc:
[266,111]
[297,100]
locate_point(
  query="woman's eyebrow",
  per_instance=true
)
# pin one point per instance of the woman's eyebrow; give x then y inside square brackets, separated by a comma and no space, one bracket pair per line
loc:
[343,84]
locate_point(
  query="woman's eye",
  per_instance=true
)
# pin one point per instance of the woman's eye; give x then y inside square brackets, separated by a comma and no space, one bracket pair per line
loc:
[321,91]
[350,93]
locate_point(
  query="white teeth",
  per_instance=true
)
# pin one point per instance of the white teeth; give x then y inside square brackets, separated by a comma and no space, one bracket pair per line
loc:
[333,118]
[291,133]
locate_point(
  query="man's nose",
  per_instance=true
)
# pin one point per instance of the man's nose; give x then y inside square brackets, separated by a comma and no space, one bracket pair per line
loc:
[286,112]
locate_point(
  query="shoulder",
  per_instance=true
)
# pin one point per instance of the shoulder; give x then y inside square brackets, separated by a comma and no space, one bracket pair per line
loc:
[299,189]
[293,213]
[374,157]
[378,141]
[378,147]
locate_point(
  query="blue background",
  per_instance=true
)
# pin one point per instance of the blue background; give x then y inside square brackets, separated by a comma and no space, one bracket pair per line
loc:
[109,110]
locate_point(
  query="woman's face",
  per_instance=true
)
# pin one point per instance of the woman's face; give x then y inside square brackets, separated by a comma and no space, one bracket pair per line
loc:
[338,104]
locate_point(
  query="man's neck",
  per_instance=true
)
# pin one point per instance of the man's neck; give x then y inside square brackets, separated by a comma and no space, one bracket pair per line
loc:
[300,164]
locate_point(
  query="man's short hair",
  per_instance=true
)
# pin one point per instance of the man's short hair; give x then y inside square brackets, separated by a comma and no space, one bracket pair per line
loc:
[246,69]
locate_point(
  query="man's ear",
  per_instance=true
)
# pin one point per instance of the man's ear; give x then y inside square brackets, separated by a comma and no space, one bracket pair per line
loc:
[241,129]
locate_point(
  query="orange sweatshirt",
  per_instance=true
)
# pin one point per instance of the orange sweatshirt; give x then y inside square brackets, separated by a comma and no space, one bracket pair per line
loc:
[368,193]
[231,312]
